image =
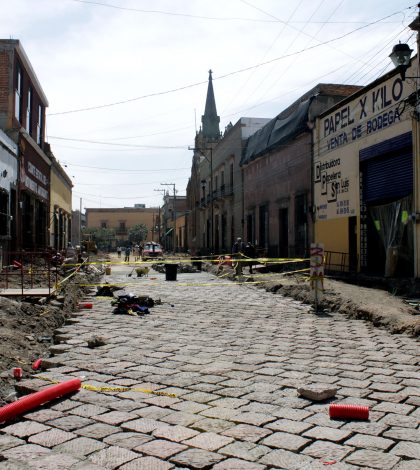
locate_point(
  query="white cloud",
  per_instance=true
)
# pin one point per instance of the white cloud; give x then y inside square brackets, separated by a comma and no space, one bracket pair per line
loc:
[88,55]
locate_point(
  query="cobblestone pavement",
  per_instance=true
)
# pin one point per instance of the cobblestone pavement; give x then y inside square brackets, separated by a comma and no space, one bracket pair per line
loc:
[234,356]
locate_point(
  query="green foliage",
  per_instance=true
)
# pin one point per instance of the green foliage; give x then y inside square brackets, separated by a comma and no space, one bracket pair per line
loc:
[137,233]
[103,237]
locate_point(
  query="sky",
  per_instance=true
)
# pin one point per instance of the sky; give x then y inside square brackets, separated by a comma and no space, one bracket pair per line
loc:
[126,80]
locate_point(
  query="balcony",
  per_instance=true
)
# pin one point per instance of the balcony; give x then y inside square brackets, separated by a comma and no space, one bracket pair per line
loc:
[121,231]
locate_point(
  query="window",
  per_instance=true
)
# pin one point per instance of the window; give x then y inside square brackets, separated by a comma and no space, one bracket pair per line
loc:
[29,112]
[39,126]
[103,224]
[18,94]
[122,225]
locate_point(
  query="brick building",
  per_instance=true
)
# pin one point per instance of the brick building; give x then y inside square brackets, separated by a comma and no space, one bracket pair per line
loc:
[276,167]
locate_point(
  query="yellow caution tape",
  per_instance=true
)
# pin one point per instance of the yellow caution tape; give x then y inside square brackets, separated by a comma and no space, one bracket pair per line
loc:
[94,388]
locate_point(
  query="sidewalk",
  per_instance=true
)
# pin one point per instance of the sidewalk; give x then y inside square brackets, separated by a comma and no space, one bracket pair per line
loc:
[233,355]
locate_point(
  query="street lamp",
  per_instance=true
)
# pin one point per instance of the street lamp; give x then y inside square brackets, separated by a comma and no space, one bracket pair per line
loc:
[400,57]
[211,189]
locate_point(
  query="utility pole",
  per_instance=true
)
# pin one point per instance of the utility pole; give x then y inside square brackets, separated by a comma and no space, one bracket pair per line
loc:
[160,220]
[174,210]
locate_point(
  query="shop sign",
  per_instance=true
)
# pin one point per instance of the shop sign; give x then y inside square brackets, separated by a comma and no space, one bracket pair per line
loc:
[336,167]
[34,179]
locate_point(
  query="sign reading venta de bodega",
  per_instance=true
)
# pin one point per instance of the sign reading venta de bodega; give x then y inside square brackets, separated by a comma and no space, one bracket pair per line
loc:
[35,180]
[341,134]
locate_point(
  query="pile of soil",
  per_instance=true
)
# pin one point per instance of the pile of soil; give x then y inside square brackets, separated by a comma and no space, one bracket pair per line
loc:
[376,305]
[27,327]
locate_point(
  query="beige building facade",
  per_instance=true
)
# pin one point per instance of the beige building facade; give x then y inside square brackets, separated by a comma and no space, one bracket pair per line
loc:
[363,179]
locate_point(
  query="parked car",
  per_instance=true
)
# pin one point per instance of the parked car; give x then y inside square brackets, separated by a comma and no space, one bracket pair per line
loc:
[152,250]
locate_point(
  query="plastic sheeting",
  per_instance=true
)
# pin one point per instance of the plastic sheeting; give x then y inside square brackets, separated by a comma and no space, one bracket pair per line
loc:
[278,131]
[391,220]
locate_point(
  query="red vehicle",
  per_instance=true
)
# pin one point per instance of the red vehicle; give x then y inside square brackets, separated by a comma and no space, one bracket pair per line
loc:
[152,250]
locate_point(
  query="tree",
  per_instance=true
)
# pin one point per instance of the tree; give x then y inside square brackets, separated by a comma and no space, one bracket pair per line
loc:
[103,237]
[137,233]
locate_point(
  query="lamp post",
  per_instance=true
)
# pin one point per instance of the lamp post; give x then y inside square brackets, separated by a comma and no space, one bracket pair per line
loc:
[210,161]
[401,58]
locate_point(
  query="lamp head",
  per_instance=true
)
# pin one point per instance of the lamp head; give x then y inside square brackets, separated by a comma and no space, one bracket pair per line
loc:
[400,56]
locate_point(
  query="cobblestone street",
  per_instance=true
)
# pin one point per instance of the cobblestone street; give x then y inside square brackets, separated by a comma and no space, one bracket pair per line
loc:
[233,355]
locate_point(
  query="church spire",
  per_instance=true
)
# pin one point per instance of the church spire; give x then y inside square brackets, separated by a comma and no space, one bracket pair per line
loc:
[210,119]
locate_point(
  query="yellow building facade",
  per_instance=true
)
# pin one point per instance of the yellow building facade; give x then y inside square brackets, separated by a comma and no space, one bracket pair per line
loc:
[60,206]
[122,219]
[363,179]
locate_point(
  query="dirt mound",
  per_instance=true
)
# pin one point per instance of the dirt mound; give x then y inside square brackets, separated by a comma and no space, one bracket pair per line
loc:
[375,305]
[26,330]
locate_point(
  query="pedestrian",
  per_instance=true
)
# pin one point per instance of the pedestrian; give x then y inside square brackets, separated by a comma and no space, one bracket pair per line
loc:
[237,251]
[250,252]
[119,251]
[127,253]
[136,252]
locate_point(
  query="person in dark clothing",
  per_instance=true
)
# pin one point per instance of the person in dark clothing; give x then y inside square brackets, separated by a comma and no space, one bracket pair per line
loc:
[127,253]
[250,252]
[237,252]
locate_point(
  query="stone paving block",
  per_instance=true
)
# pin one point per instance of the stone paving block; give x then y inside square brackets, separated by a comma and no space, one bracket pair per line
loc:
[236,464]
[129,440]
[175,433]
[220,413]
[284,440]
[373,459]
[52,437]
[113,456]
[115,417]
[245,451]
[370,442]
[215,425]
[403,434]
[371,428]
[88,410]
[26,453]
[7,442]
[162,401]
[204,387]
[98,430]
[327,434]
[208,441]
[327,450]
[81,446]
[201,397]
[407,449]
[408,465]
[56,461]
[229,402]
[25,428]
[153,412]
[70,423]
[43,415]
[189,407]
[147,463]
[181,418]
[284,459]
[144,425]
[288,425]
[160,448]
[256,419]
[247,432]
[397,408]
[291,413]
[402,421]
[197,458]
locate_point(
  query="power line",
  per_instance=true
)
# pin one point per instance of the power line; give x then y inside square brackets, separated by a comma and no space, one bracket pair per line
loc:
[202,17]
[120,169]
[119,145]
[229,74]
